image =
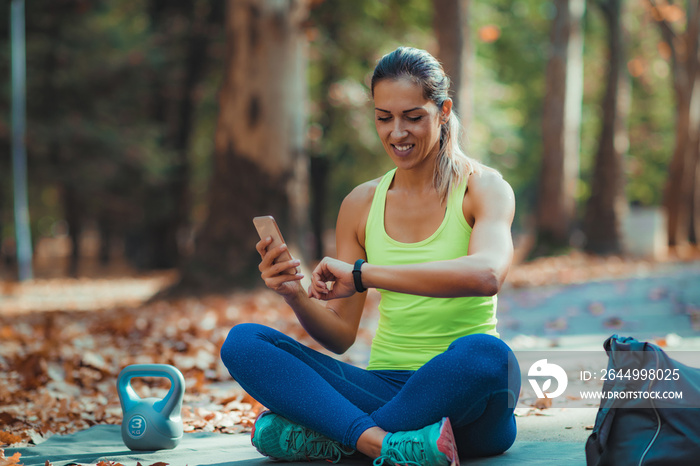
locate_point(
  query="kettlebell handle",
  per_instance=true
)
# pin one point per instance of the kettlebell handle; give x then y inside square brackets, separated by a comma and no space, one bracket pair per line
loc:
[172,401]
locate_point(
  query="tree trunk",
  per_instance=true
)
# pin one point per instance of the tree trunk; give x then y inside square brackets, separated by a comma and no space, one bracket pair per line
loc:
[319,171]
[607,205]
[561,124]
[682,186]
[679,184]
[456,52]
[163,233]
[695,230]
[74,216]
[4,167]
[259,164]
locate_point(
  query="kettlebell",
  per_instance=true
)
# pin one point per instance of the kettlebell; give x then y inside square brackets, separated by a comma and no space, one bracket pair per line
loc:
[151,423]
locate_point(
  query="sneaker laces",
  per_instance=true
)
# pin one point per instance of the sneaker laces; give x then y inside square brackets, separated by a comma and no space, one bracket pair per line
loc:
[408,452]
[315,446]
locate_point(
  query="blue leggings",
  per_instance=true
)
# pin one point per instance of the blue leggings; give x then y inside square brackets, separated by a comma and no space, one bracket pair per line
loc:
[469,383]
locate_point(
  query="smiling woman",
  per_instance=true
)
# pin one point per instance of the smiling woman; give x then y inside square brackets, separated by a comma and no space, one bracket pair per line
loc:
[406,71]
[411,136]
[433,236]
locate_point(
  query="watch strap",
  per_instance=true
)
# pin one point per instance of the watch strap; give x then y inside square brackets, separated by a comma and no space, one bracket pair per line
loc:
[357,275]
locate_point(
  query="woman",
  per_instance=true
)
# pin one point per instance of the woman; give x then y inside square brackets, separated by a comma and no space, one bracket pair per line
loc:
[433,236]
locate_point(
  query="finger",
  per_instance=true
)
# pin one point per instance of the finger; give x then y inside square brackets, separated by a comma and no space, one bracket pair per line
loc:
[327,296]
[287,267]
[281,268]
[312,292]
[335,293]
[270,256]
[278,280]
[262,245]
[322,274]
[319,288]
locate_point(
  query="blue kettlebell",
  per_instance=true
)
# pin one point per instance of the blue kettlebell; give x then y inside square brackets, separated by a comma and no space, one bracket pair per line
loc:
[151,423]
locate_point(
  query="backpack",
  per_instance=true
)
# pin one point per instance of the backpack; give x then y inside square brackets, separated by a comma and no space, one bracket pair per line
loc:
[646,431]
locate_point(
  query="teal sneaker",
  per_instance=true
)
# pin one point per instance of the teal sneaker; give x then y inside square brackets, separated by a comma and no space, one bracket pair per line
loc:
[433,445]
[281,439]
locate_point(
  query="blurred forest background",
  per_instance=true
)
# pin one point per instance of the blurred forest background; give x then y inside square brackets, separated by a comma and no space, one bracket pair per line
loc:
[156,129]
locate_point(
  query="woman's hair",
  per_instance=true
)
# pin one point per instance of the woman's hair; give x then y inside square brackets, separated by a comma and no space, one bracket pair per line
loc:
[422,68]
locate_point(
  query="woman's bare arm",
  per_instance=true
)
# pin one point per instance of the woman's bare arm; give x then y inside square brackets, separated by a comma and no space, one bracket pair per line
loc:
[480,273]
[334,323]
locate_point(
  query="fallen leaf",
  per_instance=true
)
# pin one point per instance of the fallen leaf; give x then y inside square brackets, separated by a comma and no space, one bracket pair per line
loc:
[12,460]
[523,412]
[542,403]
[614,323]
[660,342]
[560,323]
[656,294]
[596,308]
[8,439]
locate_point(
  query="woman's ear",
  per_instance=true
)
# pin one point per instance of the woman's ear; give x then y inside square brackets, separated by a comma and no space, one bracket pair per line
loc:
[446,110]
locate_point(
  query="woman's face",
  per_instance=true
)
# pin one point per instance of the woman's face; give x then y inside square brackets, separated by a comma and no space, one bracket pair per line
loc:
[408,124]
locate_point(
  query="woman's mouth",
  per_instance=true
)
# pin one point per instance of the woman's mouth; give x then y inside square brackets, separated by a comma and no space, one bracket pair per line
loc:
[402,149]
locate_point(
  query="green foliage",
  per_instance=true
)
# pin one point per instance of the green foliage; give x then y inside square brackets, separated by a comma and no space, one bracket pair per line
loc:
[104,84]
[348,39]
[508,92]
[105,81]
[652,115]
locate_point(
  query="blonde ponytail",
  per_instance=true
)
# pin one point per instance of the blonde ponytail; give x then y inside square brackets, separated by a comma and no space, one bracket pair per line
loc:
[452,164]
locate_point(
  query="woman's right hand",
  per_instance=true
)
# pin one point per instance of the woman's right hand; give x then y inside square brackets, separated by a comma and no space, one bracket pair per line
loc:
[276,275]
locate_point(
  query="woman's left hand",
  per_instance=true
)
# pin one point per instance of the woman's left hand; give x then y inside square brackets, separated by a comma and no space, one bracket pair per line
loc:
[337,272]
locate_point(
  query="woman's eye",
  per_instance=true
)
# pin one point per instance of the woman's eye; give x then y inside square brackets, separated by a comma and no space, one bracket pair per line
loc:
[383,118]
[414,118]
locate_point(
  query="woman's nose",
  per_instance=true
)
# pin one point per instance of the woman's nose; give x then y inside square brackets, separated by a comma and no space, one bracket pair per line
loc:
[398,131]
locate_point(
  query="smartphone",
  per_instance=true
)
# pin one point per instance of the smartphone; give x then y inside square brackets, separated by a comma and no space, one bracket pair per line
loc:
[267,226]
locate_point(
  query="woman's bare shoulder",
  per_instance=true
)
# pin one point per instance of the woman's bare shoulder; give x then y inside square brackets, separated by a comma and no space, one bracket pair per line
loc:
[488,179]
[488,193]
[354,211]
[361,196]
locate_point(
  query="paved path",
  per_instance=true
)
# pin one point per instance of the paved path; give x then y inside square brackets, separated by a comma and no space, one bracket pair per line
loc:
[663,306]
[665,302]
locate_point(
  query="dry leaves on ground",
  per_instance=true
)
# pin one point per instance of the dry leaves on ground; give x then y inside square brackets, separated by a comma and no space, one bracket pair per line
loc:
[58,369]
[14,460]
[578,267]
[62,351]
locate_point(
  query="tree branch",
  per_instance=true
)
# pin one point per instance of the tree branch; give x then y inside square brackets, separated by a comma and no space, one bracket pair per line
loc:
[667,33]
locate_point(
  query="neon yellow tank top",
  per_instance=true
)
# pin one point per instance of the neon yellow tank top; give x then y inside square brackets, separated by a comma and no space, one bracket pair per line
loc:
[413,329]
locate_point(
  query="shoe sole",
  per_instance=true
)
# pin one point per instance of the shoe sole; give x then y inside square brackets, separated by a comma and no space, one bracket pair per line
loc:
[446,442]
